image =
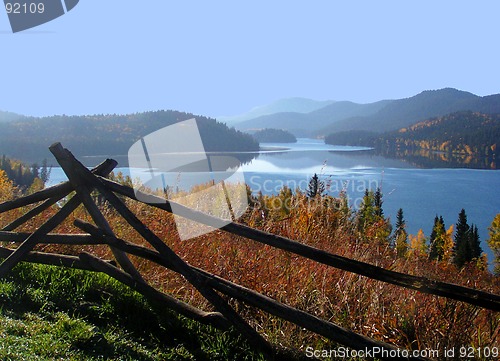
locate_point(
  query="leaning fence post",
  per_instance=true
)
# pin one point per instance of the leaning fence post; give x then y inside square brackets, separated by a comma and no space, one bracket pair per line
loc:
[76,169]
[71,166]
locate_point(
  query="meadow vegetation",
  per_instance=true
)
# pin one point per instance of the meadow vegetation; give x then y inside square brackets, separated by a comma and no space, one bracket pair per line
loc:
[402,317]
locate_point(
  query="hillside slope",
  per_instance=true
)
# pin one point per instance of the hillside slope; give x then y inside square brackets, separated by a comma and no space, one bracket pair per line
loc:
[428,104]
[460,137]
[108,135]
[287,105]
[307,124]
[381,116]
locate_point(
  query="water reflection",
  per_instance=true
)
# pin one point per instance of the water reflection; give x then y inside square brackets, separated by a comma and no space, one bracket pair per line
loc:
[424,158]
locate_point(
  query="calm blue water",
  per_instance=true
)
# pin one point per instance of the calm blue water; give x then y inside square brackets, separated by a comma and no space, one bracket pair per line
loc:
[422,193]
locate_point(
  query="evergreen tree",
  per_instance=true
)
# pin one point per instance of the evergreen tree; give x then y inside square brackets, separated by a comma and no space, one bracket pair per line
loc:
[461,240]
[377,200]
[315,187]
[437,239]
[344,204]
[372,225]
[400,234]
[474,243]
[45,171]
[467,245]
[366,212]
[433,232]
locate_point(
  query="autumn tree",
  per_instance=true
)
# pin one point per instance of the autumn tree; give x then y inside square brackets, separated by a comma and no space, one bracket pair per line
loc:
[6,187]
[371,223]
[418,244]
[494,241]
[437,239]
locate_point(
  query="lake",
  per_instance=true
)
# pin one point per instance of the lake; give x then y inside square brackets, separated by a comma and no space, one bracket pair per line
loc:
[421,192]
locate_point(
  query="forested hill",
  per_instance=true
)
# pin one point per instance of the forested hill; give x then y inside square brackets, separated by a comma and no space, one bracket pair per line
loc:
[9,116]
[405,112]
[467,132]
[381,116]
[28,139]
[271,135]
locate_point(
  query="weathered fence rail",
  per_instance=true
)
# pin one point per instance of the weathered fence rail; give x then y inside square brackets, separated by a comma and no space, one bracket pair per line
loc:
[83,181]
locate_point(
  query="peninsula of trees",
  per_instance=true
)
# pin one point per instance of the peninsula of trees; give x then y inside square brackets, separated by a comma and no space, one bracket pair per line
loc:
[270,135]
[466,134]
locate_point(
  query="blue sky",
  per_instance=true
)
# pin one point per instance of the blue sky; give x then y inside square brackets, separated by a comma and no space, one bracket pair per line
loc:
[225,57]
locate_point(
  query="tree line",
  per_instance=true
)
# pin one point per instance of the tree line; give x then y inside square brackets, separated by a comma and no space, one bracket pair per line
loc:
[28,139]
[463,133]
[24,176]
[459,245]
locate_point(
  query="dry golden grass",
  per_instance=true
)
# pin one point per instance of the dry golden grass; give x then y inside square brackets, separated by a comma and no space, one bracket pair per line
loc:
[384,312]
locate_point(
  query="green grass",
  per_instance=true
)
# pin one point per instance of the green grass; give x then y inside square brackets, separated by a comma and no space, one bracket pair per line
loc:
[52,313]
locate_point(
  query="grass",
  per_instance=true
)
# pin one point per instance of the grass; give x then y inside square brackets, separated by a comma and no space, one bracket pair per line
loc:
[51,313]
[121,325]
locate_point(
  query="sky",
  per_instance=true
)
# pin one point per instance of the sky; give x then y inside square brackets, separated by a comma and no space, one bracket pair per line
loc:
[225,57]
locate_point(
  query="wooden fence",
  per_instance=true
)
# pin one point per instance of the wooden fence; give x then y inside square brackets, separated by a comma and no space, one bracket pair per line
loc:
[82,182]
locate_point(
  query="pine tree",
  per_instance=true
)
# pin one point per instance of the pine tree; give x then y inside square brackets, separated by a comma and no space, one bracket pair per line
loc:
[433,232]
[315,187]
[377,198]
[474,243]
[400,234]
[366,212]
[437,239]
[467,244]
[45,172]
[344,208]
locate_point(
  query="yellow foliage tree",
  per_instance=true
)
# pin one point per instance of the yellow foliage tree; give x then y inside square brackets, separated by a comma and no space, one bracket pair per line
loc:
[418,244]
[448,245]
[6,187]
[494,241]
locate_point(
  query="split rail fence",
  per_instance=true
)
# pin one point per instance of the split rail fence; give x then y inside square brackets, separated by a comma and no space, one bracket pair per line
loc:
[82,181]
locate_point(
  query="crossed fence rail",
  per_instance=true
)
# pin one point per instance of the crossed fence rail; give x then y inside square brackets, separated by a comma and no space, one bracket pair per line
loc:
[82,182]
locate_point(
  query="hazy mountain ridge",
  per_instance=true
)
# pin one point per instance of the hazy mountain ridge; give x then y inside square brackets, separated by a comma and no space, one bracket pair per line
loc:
[307,124]
[287,105]
[405,112]
[380,116]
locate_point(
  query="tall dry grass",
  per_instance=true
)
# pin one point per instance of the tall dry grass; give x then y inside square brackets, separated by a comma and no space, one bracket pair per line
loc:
[385,312]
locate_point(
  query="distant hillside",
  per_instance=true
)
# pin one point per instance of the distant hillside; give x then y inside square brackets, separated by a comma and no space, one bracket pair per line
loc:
[428,104]
[108,135]
[382,116]
[9,116]
[469,134]
[307,124]
[287,105]
[270,135]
